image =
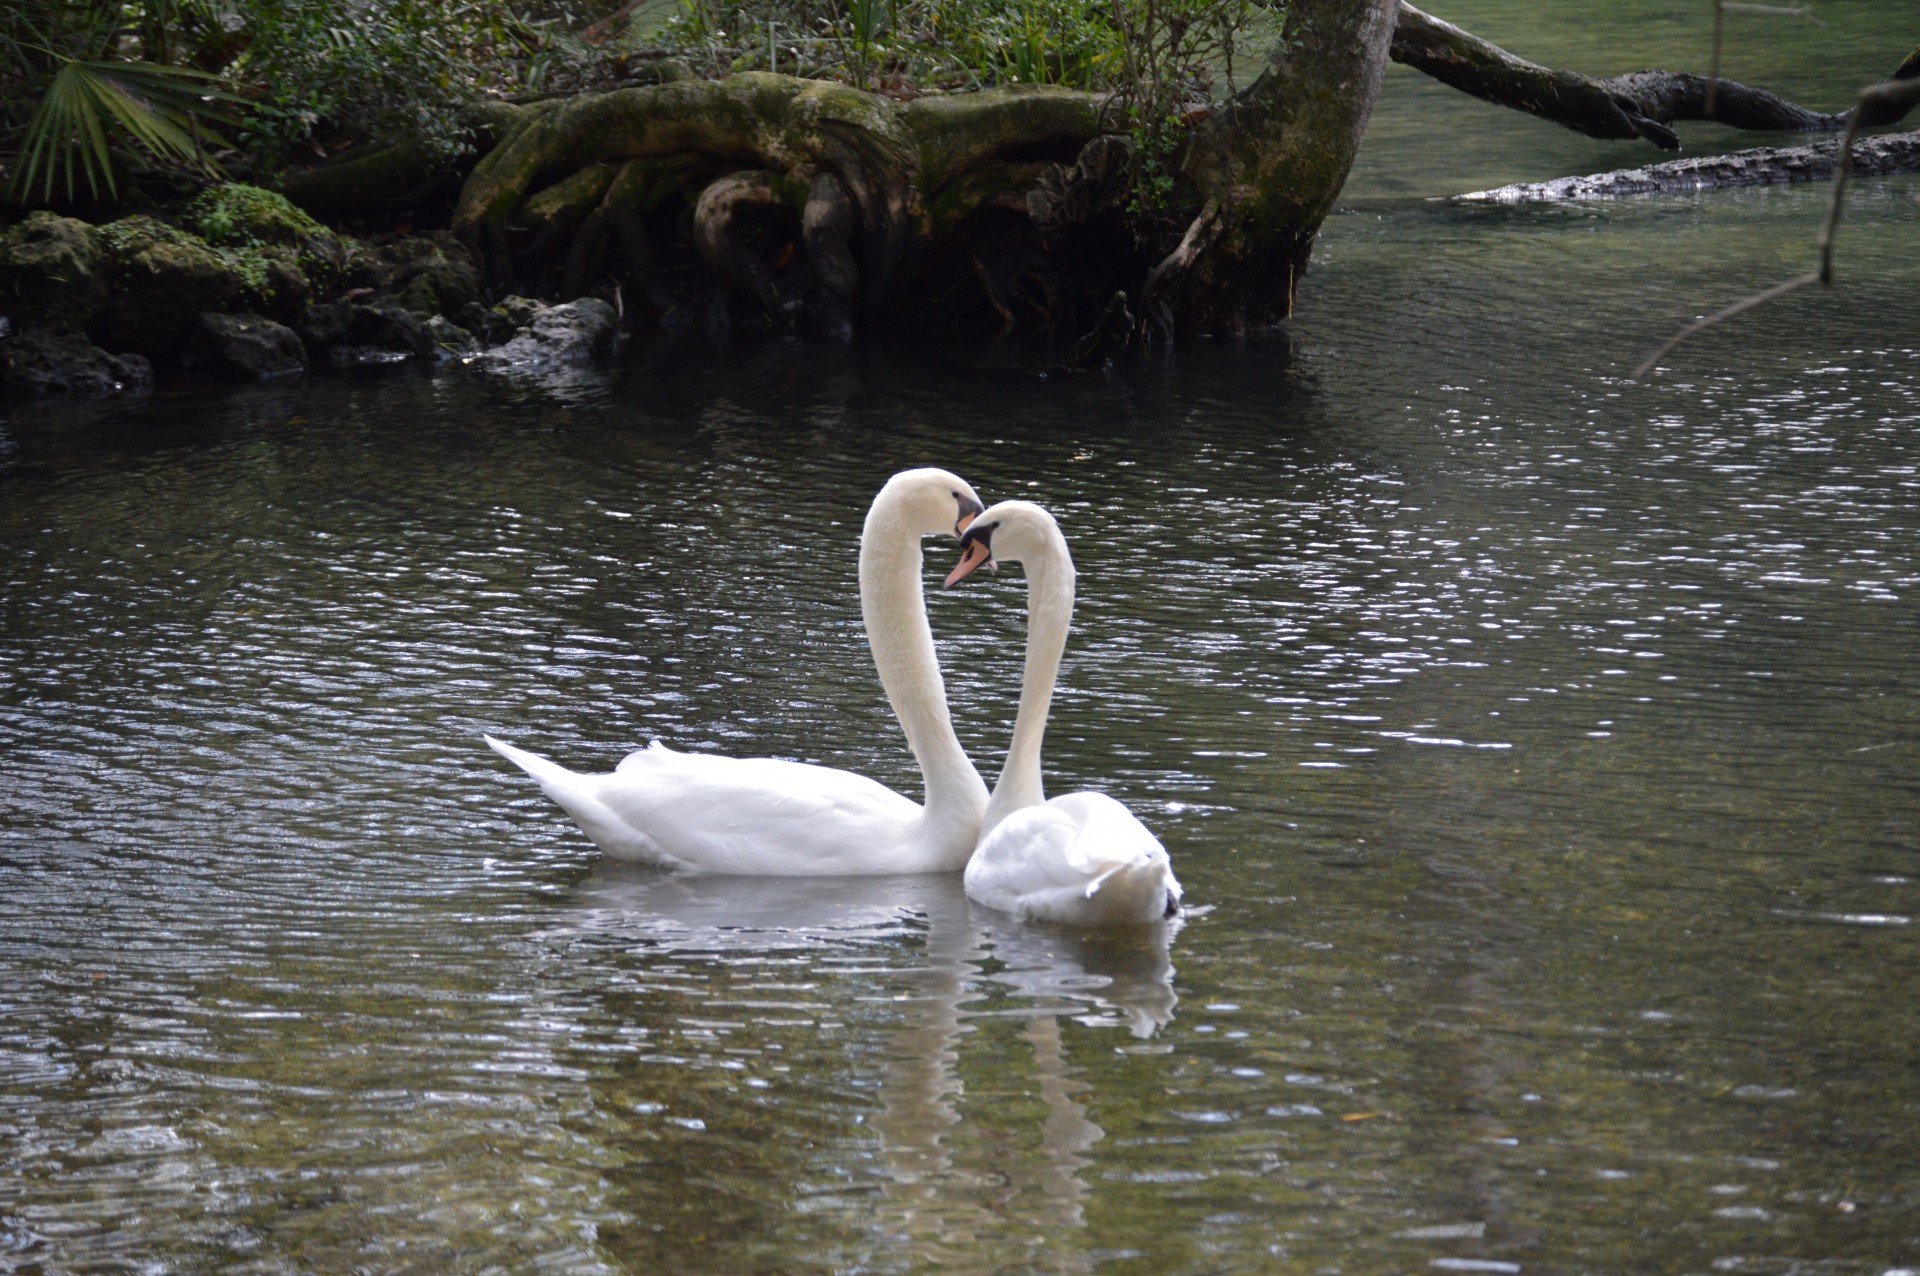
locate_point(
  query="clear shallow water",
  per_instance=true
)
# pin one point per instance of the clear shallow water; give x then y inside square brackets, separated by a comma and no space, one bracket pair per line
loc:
[1540,747]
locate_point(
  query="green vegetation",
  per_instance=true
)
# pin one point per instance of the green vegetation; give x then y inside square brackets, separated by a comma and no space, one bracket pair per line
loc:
[231,213]
[181,91]
[73,104]
[253,228]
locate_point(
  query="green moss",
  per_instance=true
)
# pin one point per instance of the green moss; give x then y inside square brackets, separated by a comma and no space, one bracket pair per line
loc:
[232,213]
[50,272]
[570,198]
[265,238]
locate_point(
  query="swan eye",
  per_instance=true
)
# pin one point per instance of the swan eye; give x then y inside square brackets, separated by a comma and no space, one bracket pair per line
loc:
[983,533]
[970,508]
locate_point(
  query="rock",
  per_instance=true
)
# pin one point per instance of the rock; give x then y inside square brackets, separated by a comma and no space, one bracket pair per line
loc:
[245,346]
[450,340]
[564,336]
[162,281]
[519,312]
[347,334]
[232,213]
[488,323]
[389,327]
[46,363]
[50,273]
[284,255]
[324,324]
[426,275]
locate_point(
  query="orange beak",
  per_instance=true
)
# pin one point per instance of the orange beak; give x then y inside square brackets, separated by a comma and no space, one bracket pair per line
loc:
[976,554]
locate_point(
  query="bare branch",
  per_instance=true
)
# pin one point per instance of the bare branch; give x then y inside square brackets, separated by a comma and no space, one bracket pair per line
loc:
[1898,94]
[1640,104]
[1739,307]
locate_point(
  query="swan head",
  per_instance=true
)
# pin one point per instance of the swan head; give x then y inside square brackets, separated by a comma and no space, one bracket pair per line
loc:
[1012,531]
[931,501]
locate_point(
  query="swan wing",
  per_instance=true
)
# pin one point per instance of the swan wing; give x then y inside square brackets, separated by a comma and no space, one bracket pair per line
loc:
[1082,858]
[733,815]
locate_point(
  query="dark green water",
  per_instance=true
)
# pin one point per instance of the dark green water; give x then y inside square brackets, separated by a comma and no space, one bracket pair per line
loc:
[1541,748]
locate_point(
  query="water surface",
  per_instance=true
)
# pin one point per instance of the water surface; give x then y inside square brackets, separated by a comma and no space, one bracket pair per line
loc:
[1538,746]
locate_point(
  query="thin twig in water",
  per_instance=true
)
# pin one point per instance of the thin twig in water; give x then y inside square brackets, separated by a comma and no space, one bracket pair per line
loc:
[1701,325]
[1890,93]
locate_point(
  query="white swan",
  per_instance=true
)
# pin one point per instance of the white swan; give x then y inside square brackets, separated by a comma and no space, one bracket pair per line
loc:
[764,816]
[1082,858]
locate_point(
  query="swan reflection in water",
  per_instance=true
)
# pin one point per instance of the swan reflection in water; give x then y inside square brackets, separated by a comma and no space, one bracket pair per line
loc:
[1117,979]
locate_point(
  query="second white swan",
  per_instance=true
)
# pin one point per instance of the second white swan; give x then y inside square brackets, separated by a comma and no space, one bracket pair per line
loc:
[1082,858]
[767,816]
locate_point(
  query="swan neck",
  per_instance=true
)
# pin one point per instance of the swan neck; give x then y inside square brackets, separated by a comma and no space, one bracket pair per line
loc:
[895,612]
[1050,579]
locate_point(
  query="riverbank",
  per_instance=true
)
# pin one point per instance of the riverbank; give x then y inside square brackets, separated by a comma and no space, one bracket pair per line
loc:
[242,286]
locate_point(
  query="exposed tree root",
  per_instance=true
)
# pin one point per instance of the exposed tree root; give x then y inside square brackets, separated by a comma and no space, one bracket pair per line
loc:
[771,200]
[873,183]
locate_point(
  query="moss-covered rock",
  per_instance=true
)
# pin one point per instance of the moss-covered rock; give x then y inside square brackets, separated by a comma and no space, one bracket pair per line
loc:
[50,274]
[162,280]
[233,213]
[427,275]
[285,256]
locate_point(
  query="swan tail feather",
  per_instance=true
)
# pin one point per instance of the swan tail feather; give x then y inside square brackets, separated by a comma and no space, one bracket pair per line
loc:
[1140,889]
[581,796]
[549,774]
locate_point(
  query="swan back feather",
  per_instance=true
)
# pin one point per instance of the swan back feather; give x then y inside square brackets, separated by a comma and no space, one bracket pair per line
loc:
[773,817]
[1081,858]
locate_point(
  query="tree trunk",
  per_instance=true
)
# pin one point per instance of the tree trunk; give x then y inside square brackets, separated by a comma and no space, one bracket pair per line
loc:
[767,200]
[1268,165]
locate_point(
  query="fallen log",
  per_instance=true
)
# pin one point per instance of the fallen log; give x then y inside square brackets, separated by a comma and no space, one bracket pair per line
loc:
[1760,166]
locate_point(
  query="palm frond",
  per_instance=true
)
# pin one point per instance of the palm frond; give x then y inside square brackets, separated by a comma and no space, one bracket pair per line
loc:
[87,102]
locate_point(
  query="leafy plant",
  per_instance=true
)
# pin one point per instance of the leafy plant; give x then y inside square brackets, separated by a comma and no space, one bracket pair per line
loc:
[1033,41]
[91,100]
[1172,51]
[233,213]
[866,22]
[400,70]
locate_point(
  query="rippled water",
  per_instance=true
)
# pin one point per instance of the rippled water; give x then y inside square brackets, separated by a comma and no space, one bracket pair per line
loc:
[1539,746]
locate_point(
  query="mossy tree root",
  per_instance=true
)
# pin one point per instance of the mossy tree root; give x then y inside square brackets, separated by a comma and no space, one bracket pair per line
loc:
[870,182]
